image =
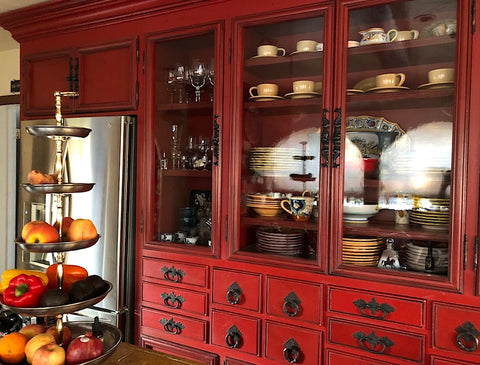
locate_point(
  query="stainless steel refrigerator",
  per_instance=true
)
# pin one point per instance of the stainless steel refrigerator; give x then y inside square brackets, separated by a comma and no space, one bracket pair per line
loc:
[106,157]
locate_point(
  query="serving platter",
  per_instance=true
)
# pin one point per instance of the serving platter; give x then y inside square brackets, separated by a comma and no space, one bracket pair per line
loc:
[57,131]
[56,246]
[64,188]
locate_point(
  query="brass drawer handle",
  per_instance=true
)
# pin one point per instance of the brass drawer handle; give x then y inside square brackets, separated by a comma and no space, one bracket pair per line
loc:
[171,300]
[171,274]
[234,337]
[171,326]
[373,308]
[291,351]
[291,306]
[467,338]
[372,343]
[234,293]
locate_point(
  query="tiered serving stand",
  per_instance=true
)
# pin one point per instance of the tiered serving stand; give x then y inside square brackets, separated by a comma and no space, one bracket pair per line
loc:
[60,134]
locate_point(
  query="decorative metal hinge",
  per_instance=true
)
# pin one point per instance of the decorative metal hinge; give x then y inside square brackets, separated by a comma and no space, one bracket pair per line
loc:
[465,252]
[324,139]
[216,139]
[337,137]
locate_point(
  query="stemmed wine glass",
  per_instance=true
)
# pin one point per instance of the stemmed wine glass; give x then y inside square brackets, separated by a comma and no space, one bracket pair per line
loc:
[197,76]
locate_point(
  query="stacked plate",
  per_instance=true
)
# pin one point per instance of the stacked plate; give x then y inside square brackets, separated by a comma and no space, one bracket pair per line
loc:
[264,204]
[362,251]
[275,161]
[431,213]
[416,253]
[280,241]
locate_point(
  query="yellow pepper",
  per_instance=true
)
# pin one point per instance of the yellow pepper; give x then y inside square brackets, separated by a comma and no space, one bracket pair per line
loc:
[11,273]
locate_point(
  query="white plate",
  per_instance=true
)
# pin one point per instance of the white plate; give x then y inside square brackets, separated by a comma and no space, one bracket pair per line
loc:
[297,52]
[437,85]
[305,95]
[264,56]
[354,91]
[386,89]
[266,98]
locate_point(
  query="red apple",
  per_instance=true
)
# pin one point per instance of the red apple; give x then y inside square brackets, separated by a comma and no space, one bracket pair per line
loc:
[42,233]
[50,354]
[27,227]
[31,330]
[35,343]
[67,335]
[81,229]
[66,221]
[84,348]
[36,177]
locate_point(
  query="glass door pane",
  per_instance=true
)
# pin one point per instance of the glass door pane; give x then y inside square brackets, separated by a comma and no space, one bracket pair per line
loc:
[398,141]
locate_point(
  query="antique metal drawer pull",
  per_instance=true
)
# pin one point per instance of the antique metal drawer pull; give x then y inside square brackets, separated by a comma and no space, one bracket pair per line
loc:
[467,338]
[172,274]
[171,326]
[171,300]
[291,306]
[291,351]
[373,342]
[373,308]
[234,337]
[234,293]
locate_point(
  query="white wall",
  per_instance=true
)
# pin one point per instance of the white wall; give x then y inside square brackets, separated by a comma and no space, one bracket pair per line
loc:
[9,69]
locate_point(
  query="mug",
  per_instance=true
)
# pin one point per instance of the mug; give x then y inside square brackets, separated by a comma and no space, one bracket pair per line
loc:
[307,46]
[167,237]
[390,80]
[405,35]
[378,35]
[191,240]
[441,75]
[303,86]
[179,236]
[299,207]
[268,50]
[264,90]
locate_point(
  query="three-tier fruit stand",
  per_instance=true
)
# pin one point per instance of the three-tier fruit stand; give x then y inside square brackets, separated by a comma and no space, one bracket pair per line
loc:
[60,133]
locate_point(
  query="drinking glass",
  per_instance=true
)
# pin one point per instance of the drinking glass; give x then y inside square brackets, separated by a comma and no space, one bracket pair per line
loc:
[180,90]
[197,75]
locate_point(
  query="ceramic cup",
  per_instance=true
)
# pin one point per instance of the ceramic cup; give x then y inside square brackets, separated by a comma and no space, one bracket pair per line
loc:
[264,90]
[378,35]
[406,35]
[299,207]
[268,50]
[303,86]
[390,80]
[307,46]
[318,87]
[166,237]
[352,44]
[441,75]
[179,236]
[401,217]
[191,240]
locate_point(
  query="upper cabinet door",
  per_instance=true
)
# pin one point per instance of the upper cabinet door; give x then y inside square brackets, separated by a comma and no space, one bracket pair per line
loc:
[184,73]
[400,97]
[281,88]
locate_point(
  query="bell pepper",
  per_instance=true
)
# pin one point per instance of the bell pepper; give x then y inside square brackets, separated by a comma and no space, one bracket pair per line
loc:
[24,291]
[11,273]
[71,274]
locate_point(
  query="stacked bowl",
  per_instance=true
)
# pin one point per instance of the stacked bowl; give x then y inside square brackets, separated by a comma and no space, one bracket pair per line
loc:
[363,251]
[417,251]
[266,205]
[431,213]
[280,241]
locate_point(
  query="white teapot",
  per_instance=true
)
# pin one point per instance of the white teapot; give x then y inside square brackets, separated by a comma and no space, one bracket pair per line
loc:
[377,35]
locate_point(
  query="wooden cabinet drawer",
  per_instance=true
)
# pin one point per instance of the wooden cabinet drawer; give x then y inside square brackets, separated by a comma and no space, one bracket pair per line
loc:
[372,305]
[292,299]
[391,343]
[172,327]
[444,361]
[176,272]
[288,344]
[177,299]
[452,324]
[335,358]
[238,289]
[236,332]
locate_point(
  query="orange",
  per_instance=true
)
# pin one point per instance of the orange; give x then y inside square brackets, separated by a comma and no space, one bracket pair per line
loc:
[12,348]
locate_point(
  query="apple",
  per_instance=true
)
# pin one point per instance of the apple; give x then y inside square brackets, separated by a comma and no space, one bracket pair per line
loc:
[42,233]
[67,335]
[84,348]
[36,177]
[31,330]
[81,229]
[35,343]
[27,227]
[49,354]
[66,221]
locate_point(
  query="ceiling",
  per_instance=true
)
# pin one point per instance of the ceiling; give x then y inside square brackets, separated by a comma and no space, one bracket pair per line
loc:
[6,40]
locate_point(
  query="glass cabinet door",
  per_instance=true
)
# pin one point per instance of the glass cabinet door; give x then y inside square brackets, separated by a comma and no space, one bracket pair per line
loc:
[277,147]
[185,136]
[399,127]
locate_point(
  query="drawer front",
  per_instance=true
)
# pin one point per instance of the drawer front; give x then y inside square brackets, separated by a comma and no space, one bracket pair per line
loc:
[287,344]
[335,358]
[236,332]
[238,289]
[175,299]
[383,307]
[388,343]
[443,361]
[173,327]
[454,327]
[291,299]
[176,272]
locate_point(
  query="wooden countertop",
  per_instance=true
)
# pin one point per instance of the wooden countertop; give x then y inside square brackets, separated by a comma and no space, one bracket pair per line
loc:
[127,354]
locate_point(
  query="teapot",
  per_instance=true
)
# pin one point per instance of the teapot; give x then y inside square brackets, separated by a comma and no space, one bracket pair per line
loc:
[377,35]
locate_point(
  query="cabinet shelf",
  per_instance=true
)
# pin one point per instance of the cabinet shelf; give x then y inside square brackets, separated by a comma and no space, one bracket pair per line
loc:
[313,105]
[187,173]
[285,222]
[203,107]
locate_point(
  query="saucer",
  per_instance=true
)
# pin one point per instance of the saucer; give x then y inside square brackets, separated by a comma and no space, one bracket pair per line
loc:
[304,95]
[386,89]
[437,85]
[354,91]
[297,52]
[265,98]
[264,56]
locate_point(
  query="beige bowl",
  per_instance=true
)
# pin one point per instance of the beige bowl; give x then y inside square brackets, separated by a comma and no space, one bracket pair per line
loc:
[268,212]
